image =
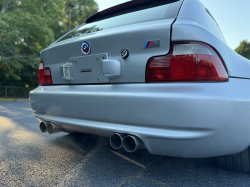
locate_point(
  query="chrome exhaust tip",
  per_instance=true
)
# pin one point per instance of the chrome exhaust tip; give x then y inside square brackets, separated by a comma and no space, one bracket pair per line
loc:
[43,127]
[131,143]
[52,128]
[116,140]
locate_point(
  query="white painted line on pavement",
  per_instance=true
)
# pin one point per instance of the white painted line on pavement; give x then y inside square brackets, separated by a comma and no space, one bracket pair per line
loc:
[65,181]
[128,159]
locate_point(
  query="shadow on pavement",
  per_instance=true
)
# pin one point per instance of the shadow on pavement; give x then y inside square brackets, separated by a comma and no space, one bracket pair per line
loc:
[30,158]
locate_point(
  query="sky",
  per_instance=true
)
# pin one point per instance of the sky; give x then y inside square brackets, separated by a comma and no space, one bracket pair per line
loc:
[232,16]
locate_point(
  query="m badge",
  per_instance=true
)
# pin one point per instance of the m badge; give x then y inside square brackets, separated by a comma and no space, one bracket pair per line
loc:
[152,44]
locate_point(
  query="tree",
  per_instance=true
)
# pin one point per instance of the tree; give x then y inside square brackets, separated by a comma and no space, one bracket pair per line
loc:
[79,14]
[244,49]
[27,27]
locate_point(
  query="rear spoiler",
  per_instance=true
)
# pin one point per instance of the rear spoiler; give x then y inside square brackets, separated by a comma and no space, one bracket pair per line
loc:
[124,8]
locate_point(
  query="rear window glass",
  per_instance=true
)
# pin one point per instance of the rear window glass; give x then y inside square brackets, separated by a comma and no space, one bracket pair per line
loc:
[155,13]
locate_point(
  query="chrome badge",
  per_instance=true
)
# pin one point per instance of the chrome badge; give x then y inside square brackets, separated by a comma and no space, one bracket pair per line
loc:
[85,48]
[124,53]
[152,44]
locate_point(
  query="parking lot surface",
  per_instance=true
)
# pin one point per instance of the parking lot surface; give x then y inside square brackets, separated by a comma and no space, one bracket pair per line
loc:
[30,158]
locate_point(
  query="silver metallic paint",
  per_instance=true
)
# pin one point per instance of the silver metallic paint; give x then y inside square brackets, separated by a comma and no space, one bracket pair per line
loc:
[192,25]
[111,68]
[189,120]
[131,37]
[175,119]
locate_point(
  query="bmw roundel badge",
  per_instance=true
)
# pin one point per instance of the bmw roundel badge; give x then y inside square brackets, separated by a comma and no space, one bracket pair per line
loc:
[85,48]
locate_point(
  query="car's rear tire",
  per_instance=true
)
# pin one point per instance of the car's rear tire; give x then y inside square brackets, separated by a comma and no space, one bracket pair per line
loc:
[238,162]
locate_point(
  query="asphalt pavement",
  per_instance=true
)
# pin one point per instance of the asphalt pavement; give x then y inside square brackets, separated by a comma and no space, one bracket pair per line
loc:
[30,158]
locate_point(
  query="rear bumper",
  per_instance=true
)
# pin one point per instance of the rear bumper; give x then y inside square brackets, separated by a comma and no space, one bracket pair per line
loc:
[189,120]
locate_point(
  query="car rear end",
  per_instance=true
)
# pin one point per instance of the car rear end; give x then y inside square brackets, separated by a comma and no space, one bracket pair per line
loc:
[143,69]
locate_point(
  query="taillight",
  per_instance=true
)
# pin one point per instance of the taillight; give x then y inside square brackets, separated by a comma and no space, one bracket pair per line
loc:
[44,75]
[187,62]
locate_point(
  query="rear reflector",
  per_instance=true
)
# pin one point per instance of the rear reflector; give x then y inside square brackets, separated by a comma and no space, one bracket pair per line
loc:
[44,75]
[187,62]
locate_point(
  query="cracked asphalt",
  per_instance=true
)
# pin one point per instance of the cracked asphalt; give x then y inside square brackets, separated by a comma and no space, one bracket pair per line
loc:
[30,158]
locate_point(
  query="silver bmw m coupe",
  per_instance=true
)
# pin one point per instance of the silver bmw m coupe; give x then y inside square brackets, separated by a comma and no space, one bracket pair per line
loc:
[156,74]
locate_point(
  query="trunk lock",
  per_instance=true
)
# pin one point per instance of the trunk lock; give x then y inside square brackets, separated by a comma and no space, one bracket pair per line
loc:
[124,53]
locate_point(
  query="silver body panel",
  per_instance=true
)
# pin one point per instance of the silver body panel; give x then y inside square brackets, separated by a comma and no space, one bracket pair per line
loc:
[124,37]
[189,120]
[175,119]
[193,24]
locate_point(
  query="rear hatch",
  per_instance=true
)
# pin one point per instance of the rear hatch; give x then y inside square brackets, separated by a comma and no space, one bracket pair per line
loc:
[114,45]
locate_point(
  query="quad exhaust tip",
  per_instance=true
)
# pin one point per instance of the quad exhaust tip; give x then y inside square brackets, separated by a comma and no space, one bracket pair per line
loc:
[131,143]
[116,140]
[43,127]
[49,127]
[52,128]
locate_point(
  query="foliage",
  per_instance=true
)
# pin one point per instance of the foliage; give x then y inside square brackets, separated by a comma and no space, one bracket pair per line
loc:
[244,49]
[84,11]
[6,100]
[79,14]
[27,27]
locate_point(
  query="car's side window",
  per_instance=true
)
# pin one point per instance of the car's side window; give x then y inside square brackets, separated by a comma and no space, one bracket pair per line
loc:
[214,27]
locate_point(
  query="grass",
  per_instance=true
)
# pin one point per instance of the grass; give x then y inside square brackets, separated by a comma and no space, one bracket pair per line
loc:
[4,99]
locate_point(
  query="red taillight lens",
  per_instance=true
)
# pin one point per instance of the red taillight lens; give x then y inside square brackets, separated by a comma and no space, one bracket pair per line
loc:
[44,75]
[187,62]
